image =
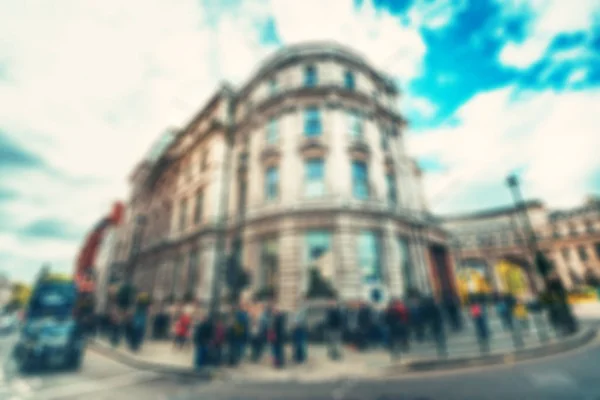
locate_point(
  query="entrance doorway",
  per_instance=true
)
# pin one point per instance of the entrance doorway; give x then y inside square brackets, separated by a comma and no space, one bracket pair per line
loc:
[440,264]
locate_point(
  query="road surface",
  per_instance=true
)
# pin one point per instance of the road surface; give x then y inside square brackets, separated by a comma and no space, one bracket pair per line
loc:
[99,378]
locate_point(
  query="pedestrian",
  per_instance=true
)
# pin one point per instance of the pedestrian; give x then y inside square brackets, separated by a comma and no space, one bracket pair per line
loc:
[417,311]
[183,326]
[364,326]
[203,335]
[216,348]
[261,332]
[435,320]
[481,327]
[277,338]
[138,328]
[522,317]
[396,319]
[334,324]
[299,335]
[231,339]
[242,329]
[502,312]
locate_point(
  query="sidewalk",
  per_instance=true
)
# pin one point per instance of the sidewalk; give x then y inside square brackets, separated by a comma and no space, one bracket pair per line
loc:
[161,357]
[587,310]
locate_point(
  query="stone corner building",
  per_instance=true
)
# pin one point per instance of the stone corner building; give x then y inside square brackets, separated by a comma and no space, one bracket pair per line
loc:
[304,165]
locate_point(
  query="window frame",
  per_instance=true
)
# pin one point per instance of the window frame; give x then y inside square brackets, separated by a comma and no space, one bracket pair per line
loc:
[355,189]
[311,76]
[272,136]
[313,123]
[272,188]
[349,80]
[308,180]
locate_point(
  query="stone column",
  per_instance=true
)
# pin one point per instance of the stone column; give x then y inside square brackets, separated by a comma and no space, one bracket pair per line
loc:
[391,261]
[291,274]
[345,246]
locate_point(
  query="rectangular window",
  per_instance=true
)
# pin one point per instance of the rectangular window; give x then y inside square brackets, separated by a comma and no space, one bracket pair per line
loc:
[192,275]
[597,248]
[582,253]
[310,76]
[314,178]
[272,183]
[199,207]
[318,255]
[272,131]
[369,260]
[360,180]
[355,124]
[391,185]
[182,214]
[269,259]
[312,122]
[273,88]
[349,80]
[405,264]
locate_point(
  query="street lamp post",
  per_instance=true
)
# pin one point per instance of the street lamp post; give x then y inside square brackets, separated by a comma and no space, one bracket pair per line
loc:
[559,307]
[136,238]
[220,256]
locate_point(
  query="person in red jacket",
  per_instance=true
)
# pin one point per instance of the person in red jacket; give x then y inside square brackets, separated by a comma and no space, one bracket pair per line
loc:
[396,319]
[183,326]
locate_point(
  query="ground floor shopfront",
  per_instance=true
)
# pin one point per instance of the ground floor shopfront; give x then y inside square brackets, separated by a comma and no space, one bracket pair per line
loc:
[364,257]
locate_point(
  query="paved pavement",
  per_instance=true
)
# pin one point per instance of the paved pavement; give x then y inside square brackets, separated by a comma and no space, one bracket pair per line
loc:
[319,365]
[97,373]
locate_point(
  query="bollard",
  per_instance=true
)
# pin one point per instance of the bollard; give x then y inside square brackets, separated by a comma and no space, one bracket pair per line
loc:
[516,335]
[542,334]
[441,345]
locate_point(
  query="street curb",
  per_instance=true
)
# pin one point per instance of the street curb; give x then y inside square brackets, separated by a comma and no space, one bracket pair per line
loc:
[121,357]
[572,342]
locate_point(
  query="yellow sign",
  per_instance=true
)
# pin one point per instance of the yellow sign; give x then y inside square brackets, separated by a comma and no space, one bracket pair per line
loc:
[471,281]
[58,278]
[512,278]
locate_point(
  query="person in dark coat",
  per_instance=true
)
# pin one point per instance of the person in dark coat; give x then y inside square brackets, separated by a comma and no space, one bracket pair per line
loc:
[260,333]
[277,339]
[396,319]
[481,327]
[203,335]
[435,321]
[364,326]
[334,325]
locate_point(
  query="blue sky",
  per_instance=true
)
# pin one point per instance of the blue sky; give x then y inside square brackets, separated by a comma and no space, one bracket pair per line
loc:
[489,87]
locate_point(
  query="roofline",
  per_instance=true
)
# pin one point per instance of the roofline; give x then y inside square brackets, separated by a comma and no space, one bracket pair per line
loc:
[491,212]
[287,51]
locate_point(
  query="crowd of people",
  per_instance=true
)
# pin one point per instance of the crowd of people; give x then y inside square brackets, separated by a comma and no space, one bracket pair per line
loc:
[243,334]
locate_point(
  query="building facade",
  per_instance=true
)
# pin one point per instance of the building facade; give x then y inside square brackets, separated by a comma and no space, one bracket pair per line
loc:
[304,166]
[569,238]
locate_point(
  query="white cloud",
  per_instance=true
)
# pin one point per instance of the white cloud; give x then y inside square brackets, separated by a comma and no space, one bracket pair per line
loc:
[419,107]
[500,131]
[550,17]
[435,14]
[93,84]
[380,36]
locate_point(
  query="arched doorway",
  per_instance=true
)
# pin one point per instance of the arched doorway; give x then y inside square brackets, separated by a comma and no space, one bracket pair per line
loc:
[474,278]
[515,275]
